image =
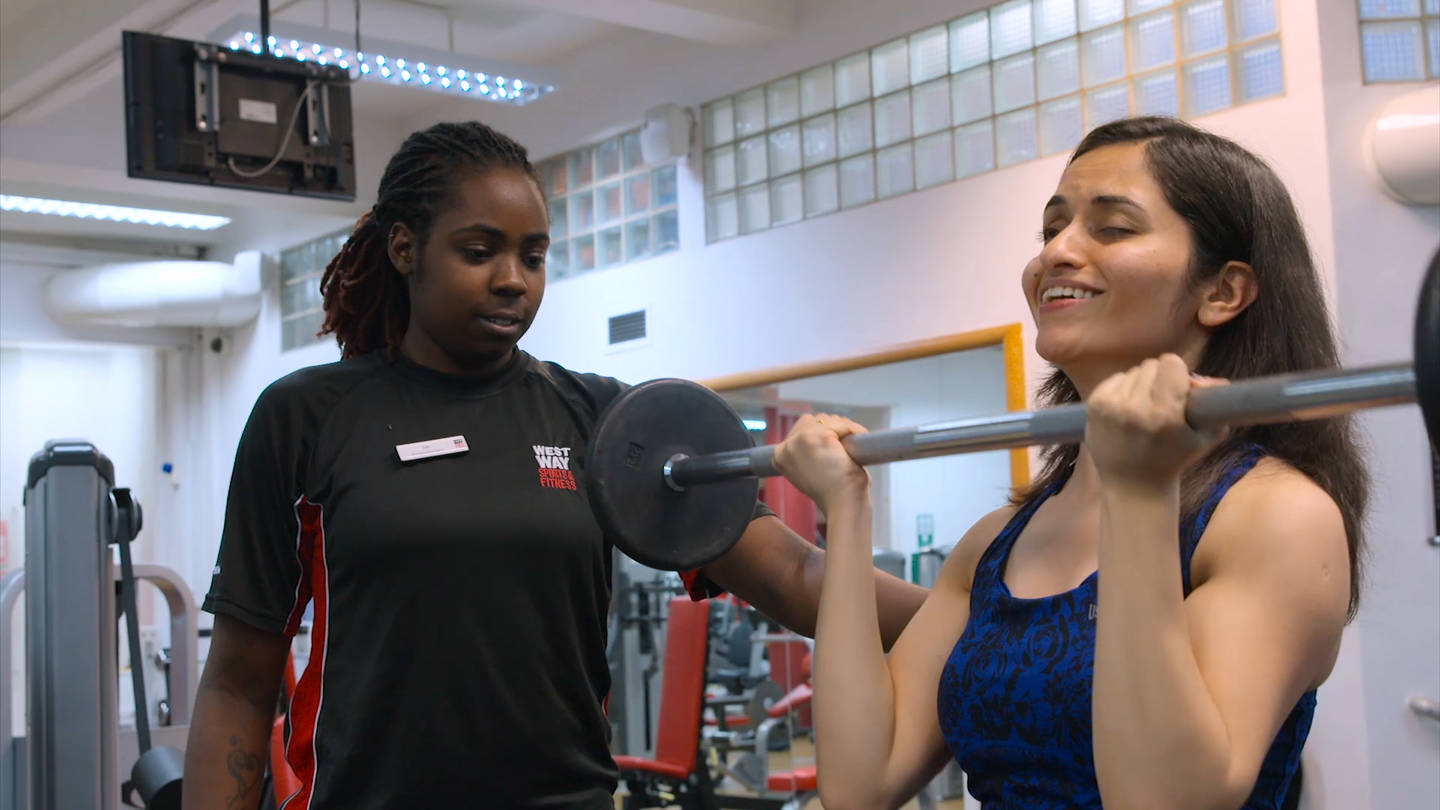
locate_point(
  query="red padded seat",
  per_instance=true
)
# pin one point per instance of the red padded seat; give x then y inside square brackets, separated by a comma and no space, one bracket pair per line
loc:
[682,691]
[792,781]
[794,699]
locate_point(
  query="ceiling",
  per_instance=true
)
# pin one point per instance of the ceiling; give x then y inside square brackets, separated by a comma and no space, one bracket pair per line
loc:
[61,114]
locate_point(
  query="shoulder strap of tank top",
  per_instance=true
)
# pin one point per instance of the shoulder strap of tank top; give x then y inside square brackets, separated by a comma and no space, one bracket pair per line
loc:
[1193,528]
[996,553]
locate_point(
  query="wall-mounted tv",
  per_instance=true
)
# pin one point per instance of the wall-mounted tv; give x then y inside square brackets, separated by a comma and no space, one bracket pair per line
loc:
[196,112]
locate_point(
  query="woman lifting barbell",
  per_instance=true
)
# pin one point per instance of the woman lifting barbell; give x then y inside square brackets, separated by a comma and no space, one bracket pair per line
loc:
[427,494]
[1146,624]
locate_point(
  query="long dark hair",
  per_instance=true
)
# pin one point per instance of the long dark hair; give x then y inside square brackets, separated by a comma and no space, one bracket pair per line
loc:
[1238,210]
[367,302]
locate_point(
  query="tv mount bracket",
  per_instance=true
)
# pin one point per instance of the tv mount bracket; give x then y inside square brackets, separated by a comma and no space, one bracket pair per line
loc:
[207,92]
[207,97]
[317,114]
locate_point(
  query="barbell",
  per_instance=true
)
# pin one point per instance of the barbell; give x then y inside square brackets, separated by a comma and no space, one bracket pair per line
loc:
[673,475]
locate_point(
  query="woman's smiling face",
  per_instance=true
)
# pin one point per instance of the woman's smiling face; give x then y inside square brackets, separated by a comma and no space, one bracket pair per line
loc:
[1110,286]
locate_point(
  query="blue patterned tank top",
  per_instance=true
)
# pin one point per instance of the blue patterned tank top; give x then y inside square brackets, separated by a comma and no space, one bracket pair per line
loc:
[1015,692]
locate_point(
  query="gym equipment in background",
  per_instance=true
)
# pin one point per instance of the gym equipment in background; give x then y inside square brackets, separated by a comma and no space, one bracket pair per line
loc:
[75,751]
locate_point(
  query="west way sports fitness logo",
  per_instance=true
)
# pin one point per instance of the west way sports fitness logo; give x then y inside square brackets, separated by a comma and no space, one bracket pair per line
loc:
[554,463]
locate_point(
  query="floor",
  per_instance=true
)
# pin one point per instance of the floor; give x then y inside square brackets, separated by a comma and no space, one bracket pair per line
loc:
[803,753]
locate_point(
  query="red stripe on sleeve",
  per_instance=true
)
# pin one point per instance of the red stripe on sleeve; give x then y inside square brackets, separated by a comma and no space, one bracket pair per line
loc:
[699,586]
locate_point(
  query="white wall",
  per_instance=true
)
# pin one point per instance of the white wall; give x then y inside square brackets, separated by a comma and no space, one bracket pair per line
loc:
[936,261]
[1381,248]
[104,394]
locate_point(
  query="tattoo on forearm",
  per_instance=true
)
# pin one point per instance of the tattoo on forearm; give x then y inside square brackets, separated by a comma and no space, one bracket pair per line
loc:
[246,768]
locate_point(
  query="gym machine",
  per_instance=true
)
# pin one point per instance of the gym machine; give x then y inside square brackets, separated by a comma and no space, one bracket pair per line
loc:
[634,648]
[74,752]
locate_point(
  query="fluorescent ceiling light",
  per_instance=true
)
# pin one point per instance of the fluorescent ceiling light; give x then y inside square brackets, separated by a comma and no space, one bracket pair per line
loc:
[111,213]
[398,70]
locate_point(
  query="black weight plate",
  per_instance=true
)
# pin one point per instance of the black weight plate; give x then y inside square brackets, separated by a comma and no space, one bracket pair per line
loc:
[647,519]
[1427,350]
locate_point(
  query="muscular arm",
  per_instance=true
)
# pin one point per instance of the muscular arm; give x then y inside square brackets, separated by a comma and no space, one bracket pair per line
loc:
[1190,692]
[234,710]
[779,573]
[876,716]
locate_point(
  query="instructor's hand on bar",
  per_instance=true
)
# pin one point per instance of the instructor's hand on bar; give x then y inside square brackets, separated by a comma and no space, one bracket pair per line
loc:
[814,460]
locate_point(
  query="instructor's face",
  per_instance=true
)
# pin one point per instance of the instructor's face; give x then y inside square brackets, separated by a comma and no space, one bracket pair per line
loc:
[477,283]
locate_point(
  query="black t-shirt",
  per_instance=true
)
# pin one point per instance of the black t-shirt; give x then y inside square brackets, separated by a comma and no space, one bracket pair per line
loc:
[458,642]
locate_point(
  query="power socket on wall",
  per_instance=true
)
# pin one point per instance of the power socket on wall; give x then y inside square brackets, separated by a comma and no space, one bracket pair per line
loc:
[149,641]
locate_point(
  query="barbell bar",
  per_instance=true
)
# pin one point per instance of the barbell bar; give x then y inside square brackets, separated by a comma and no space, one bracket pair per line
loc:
[1263,400]
[673,474]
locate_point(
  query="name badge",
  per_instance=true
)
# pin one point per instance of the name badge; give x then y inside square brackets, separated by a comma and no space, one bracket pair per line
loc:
[448,446]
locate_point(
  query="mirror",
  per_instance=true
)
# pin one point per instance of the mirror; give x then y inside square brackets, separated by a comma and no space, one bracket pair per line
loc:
[921,507]
[919,504]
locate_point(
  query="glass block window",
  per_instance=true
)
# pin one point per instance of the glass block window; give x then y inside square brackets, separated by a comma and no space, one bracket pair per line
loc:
[609,207]
[1010,83]
[1400,40]
[301,308]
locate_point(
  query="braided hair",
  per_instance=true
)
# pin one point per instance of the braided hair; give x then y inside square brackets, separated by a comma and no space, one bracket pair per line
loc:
[367,302]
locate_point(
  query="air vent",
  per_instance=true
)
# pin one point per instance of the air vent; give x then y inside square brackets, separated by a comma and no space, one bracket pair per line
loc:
[627,327]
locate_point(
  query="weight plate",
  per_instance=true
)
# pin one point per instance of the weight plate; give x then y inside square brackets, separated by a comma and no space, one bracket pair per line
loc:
[1427,350]
[648,520]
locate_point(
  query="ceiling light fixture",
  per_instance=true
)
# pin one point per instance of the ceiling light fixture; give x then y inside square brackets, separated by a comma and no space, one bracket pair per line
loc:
[111,213]
[377,68]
